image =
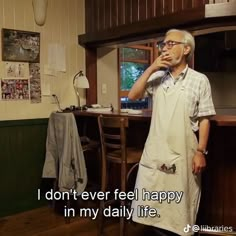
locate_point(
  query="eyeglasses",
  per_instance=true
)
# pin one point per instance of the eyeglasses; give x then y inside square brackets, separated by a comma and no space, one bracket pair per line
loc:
[169,44]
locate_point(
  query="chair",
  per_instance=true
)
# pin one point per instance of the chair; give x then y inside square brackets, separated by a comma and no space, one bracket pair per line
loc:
[90,145]
[114,150]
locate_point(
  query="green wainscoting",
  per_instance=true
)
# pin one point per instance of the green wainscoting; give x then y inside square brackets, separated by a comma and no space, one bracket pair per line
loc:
[22,154]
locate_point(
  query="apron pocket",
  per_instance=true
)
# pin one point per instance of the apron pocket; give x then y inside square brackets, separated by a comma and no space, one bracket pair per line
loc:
[167,168]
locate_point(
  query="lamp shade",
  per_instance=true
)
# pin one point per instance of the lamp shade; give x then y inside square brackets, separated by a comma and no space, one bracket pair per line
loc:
[80,80]
[40,11]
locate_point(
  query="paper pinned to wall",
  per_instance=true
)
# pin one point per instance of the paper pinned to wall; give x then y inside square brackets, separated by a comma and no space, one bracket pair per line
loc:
[57,57]
[61,58]
[46,88]
[52,48]
[49,71]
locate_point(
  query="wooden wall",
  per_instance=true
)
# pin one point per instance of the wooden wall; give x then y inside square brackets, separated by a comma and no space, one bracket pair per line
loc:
[112,13]
[22,156]
[218,206]
[115,22]
[106,14]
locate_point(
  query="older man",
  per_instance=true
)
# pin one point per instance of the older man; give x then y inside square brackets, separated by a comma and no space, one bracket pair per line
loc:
[168,180]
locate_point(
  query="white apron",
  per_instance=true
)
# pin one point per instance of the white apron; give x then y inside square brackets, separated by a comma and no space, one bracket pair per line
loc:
[166,164]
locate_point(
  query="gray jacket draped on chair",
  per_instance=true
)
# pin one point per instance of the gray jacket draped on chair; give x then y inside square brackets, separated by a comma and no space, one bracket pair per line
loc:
[64,155]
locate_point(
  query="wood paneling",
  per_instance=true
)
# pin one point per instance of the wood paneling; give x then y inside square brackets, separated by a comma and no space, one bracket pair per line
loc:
[142,29]
[111,13]
[101,15]
[89,10]
[159,6]
[91,73]
[167,7]
[187,4]
[139,20]
[150,9]
[197,3]
[108,12]
[229,177]
[218,206]
[114,13]
[121,12]
[192,19]
[135,10]
[142,10]
[22,157]
[128,12]
[178,5]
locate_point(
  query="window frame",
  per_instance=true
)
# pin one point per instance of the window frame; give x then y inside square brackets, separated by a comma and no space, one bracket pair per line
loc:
[153,51]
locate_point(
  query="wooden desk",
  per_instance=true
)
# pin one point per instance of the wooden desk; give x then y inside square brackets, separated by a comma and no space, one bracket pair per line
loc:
[146,115]
[218,120]
[138,125]
[136,136]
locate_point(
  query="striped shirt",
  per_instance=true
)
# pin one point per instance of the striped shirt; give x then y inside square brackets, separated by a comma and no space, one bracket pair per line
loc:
[198,92]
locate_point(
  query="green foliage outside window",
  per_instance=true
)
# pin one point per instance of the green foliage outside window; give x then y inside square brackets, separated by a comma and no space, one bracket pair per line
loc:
[133,63]
[130,72]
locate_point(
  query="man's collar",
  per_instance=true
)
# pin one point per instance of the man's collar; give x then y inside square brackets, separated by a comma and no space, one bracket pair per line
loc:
[181,74]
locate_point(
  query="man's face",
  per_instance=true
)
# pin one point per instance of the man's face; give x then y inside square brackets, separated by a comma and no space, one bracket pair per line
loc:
[174,47]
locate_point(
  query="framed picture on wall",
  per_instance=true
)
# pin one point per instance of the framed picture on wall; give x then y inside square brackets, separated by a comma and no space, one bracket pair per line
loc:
[21,46]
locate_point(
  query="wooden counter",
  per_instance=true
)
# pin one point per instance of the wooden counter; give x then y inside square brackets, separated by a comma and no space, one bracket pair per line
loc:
[224,120]
[218,120]
[146,115]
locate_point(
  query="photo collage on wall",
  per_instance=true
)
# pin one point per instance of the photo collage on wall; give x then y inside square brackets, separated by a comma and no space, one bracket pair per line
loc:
[20,66]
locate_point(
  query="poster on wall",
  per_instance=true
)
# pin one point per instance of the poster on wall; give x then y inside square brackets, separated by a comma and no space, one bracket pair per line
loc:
[15,89]
[21,46]
[16,69]
[35,83]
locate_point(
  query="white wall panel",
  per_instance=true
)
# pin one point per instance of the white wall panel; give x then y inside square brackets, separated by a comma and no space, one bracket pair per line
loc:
[64,22]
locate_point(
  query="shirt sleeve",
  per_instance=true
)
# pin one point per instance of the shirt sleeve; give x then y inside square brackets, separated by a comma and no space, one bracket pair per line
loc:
[153,82]
[206,106]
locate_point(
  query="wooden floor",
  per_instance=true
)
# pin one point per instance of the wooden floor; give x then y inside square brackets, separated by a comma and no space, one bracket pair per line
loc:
[45,222]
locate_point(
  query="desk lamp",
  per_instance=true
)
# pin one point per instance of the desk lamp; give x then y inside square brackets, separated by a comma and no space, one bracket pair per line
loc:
[80,81]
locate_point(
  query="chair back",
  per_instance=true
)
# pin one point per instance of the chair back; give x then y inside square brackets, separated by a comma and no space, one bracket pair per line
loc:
[113,137]
[114,151]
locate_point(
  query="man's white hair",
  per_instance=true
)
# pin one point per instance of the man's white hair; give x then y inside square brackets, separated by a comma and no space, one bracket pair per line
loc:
[188,39]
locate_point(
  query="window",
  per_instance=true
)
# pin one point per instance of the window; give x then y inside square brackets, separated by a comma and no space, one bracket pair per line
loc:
[133,62]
